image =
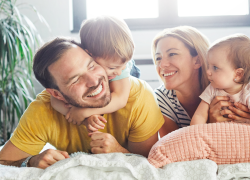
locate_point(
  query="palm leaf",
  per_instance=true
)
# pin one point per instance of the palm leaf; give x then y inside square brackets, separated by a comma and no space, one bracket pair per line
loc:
[18,41]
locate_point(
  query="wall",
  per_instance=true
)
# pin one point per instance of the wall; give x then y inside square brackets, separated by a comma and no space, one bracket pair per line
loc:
[57,14]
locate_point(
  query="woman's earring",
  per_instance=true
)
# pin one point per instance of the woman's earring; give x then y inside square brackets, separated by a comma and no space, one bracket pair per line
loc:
[235,80]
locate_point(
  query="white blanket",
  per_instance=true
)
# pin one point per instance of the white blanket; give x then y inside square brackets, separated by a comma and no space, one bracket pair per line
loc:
[125,166]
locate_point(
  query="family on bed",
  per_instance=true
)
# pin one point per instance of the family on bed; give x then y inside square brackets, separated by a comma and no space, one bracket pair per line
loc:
[93,104]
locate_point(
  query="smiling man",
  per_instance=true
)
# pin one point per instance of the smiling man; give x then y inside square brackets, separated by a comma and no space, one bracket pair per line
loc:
[58,65]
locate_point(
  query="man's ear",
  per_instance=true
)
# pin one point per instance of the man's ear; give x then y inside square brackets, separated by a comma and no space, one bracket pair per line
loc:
[55,93]
[197,62]
[239,74]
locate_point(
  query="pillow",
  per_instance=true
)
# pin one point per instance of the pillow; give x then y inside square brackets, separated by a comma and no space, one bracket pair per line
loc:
[224,143]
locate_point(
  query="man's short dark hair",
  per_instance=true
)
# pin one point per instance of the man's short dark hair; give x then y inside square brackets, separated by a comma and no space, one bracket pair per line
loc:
[47,55]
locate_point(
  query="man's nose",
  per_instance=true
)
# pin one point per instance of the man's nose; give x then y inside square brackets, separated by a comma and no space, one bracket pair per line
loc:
[91,80]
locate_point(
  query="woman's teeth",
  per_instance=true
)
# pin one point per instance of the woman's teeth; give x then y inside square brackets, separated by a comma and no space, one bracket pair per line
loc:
[96,92]
[168,74]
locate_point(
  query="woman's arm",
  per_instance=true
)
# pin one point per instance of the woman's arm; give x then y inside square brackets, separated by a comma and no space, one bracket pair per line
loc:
[168,127]
[201,114]
[59,105]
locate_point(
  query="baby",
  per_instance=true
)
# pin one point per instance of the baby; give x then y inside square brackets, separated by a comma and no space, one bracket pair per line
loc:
[229,73]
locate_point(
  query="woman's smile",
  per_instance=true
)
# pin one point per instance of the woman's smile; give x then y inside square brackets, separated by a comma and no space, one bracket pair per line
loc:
[169,74]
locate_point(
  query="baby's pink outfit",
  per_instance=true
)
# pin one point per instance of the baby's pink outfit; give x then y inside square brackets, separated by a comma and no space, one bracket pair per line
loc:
[242,97]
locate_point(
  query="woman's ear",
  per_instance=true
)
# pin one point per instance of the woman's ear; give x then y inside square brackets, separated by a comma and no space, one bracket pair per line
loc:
[197,62]
[239,74]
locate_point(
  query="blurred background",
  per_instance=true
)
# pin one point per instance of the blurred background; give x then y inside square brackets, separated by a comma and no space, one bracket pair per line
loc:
[145,18]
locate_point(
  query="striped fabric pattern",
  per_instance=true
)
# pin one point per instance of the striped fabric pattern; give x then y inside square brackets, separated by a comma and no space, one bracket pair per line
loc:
[171,107]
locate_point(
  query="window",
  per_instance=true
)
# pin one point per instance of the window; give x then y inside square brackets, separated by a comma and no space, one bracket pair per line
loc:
[158,14]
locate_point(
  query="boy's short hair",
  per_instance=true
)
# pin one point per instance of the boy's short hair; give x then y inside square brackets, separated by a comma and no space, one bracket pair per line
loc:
[107,37]
[238,52]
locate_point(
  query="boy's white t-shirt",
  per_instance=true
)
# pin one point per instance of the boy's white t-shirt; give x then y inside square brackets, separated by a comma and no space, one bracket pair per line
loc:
[242,97]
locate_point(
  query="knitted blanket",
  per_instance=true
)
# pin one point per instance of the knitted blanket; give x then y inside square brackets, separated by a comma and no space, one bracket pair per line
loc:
[125,166]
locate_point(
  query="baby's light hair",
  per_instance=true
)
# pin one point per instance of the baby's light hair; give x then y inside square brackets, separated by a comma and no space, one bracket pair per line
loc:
[194,40]
[107,37]
[238,48]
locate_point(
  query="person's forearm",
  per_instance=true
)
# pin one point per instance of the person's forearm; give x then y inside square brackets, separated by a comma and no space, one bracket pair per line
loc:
[197,119]
[114,105]
[123,150]
[59,106]
[12,163]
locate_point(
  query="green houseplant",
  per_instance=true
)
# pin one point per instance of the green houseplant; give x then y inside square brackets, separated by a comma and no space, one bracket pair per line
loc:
[18,41]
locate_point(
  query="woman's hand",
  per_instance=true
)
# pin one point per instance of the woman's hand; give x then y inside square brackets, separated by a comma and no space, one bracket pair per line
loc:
[215,109]
[241,113]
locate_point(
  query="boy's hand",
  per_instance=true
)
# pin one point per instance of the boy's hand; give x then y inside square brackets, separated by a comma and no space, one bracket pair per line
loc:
[95,122]
[76,115]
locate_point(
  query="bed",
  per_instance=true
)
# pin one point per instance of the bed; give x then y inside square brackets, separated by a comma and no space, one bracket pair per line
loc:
[126,166]
[196,152]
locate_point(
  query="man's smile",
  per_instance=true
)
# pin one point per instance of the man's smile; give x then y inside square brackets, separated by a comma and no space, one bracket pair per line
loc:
[96,92]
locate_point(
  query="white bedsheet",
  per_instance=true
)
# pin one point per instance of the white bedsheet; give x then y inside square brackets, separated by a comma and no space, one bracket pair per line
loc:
[125,166]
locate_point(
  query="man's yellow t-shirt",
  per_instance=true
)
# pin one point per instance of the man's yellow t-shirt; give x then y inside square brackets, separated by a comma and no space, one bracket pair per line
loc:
[136,122]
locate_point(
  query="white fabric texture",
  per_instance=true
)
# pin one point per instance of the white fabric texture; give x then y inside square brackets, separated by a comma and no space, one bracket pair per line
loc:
[115,166]
[242,97]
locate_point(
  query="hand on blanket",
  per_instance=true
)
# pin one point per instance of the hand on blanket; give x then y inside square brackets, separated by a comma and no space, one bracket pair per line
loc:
[47,158]
[215,109]
[105,143]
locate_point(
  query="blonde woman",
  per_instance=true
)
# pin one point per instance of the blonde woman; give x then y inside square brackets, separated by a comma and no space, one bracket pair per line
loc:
[180,58]
[179,55]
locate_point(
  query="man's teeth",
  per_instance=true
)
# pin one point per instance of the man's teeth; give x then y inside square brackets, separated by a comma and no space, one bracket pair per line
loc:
[96,92]
[168,74]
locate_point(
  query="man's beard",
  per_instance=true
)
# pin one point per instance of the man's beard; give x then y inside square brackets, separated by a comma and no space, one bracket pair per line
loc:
[104,101]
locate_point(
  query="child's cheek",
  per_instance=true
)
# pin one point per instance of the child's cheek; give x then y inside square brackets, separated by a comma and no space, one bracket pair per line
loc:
[109,72]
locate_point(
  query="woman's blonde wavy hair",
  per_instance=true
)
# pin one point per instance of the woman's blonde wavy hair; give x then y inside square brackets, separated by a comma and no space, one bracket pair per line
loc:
[196,42]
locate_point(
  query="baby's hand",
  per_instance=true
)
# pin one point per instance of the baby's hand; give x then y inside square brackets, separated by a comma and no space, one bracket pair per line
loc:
[76,115]
[95,122]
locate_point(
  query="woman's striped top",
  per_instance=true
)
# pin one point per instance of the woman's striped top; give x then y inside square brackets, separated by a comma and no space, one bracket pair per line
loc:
[171,107]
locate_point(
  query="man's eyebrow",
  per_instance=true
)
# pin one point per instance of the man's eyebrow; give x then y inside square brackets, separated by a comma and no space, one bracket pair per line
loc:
[167,50]
[70,79]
